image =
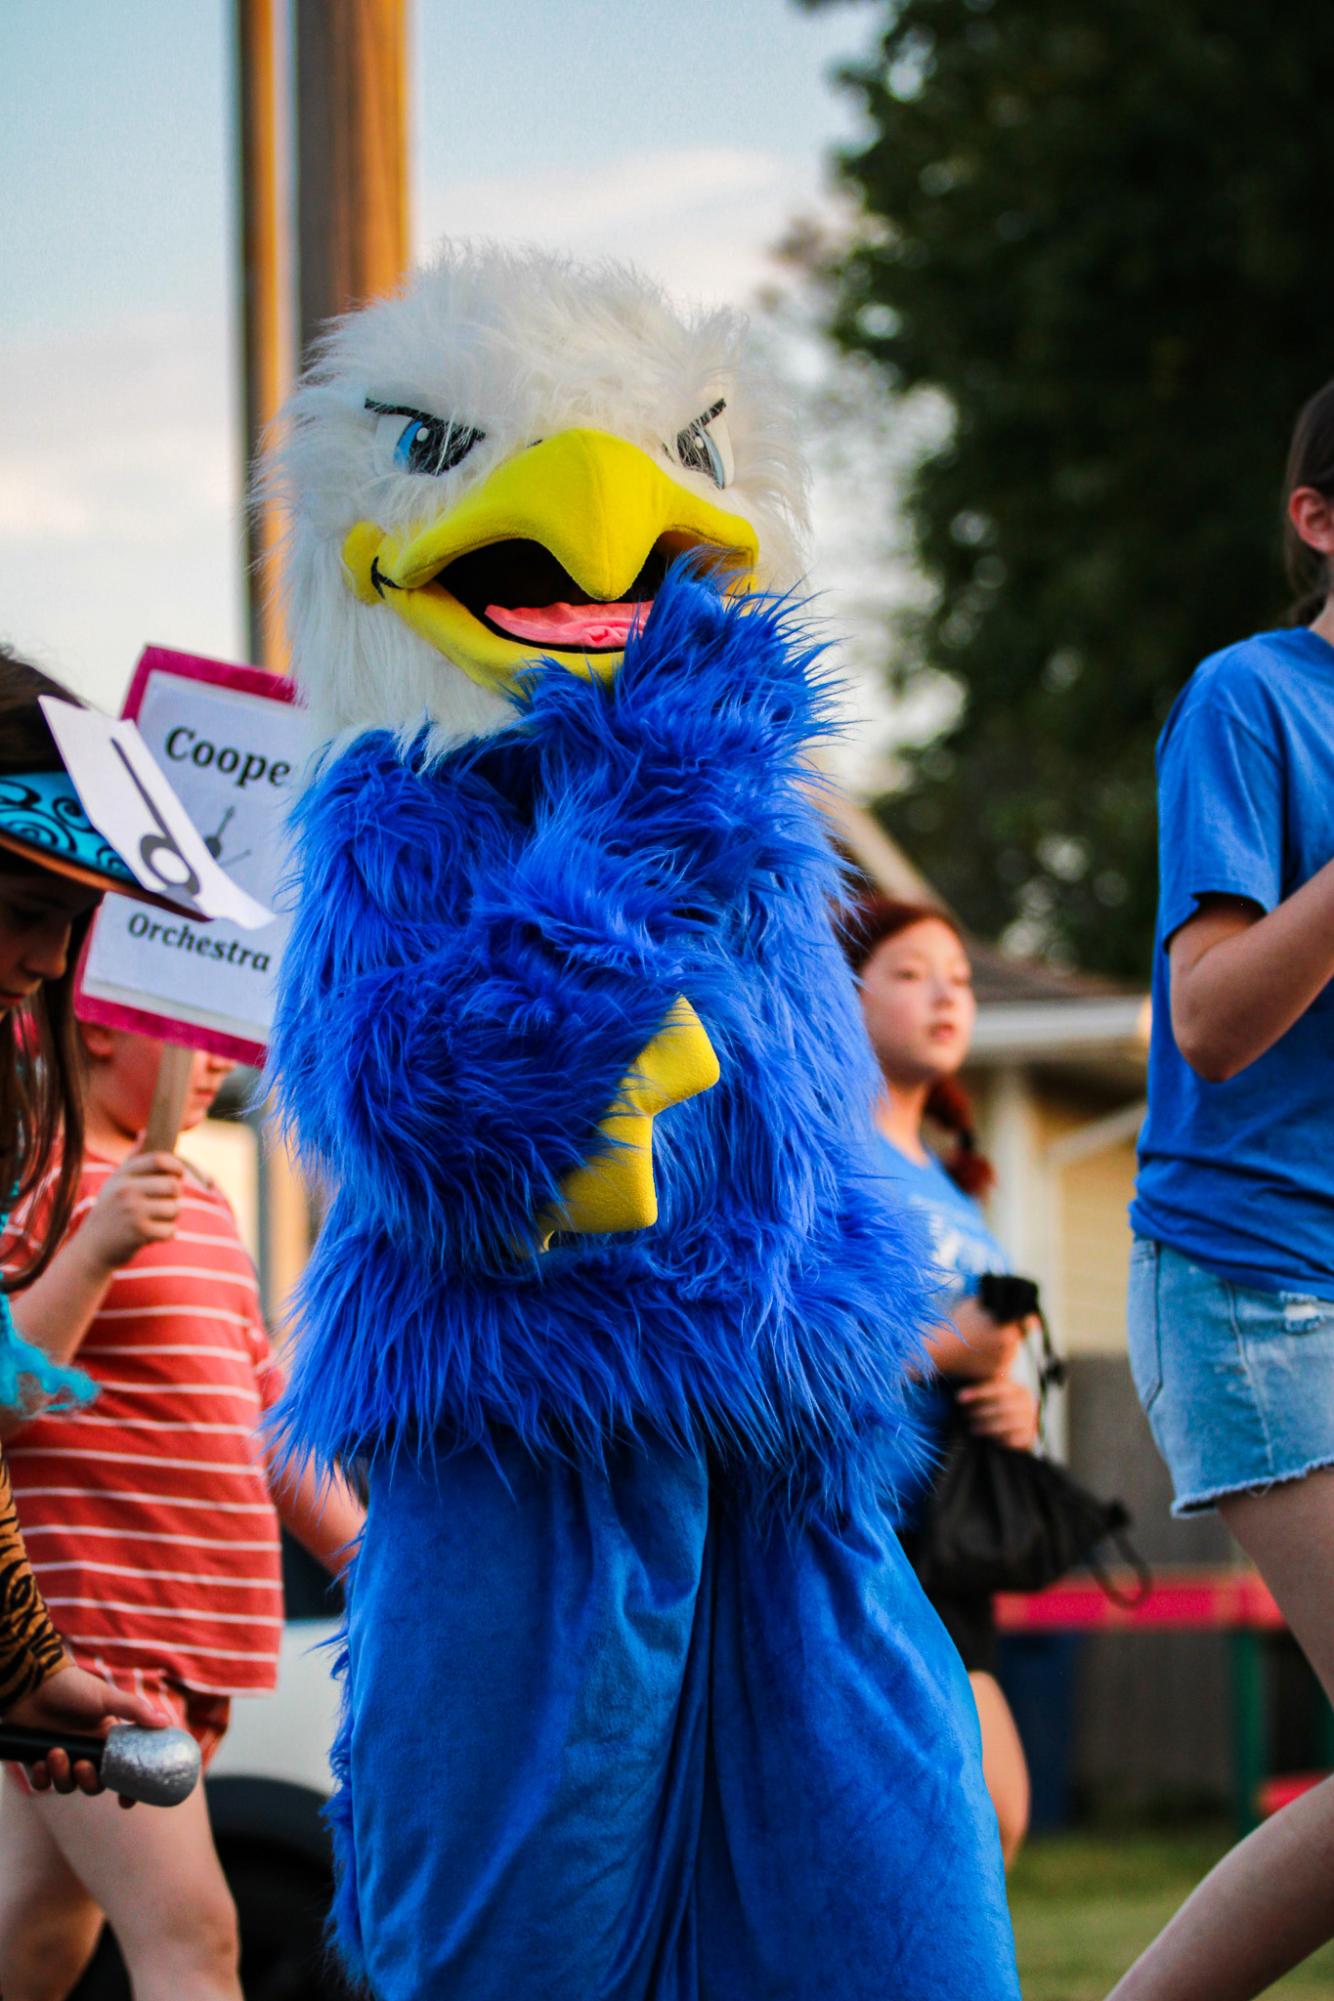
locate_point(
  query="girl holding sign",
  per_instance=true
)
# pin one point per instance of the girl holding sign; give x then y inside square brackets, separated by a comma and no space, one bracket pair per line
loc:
[54,866]
[44,911]
[154,1524]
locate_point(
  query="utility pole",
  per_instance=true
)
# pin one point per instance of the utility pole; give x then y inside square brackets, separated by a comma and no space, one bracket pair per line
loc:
[266,367]
[352,216]
[265,354]
[352,182]
[350,60]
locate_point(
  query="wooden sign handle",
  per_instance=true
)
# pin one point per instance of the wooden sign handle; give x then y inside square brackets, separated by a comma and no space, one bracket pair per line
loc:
[168,1106]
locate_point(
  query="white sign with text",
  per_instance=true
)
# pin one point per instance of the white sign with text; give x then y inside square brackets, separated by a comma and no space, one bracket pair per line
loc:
[233,745]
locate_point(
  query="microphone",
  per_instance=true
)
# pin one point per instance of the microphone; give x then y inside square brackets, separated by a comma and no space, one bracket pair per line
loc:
[159,1767]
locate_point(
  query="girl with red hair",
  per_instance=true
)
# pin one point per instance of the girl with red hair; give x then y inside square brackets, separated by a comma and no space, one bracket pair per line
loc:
[917,1001]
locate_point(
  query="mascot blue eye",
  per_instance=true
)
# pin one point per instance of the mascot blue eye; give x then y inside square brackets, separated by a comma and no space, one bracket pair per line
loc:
[422,443]
[705,446]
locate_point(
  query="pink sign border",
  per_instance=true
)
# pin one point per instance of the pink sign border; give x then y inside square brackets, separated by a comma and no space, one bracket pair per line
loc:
[114,1014]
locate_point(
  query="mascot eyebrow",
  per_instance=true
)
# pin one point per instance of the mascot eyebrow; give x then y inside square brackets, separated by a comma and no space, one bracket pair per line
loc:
[427,444]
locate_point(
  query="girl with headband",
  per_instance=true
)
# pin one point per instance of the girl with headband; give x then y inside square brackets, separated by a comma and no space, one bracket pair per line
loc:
[917,1000]
[54,868]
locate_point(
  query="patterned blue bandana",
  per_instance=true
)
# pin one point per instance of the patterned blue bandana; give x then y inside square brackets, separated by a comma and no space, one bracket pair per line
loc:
[42,810]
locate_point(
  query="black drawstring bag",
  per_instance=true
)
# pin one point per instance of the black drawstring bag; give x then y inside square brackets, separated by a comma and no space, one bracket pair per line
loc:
[998,1519]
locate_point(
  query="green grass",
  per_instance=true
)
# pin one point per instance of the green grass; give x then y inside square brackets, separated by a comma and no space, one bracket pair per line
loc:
[1086,1904]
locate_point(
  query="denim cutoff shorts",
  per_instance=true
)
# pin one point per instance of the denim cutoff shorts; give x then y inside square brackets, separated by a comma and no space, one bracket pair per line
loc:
[1237,1384]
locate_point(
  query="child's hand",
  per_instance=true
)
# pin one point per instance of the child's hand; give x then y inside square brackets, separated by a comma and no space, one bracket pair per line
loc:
[1004,1410]
[139,1204]
[81,1704]
[981,1349]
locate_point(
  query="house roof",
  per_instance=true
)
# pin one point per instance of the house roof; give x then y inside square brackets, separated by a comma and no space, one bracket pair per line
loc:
[998,977]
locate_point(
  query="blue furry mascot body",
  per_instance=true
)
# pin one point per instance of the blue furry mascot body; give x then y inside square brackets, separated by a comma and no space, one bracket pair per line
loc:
[642,1701]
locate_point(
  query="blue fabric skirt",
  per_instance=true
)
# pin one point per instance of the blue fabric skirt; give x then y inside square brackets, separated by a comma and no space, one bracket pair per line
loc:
[1237,1384]
[603,1738]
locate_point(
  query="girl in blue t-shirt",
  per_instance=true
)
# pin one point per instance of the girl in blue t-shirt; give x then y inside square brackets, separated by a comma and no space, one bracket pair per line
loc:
[1232,1275]
[917,1000]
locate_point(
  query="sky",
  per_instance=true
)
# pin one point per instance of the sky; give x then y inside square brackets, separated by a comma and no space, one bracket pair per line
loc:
[686,134]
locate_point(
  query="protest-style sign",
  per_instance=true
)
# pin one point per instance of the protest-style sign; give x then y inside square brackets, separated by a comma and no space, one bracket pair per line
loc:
[232,742]
[122,791]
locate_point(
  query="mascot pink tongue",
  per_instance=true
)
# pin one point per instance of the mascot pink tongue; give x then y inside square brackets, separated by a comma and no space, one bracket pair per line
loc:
[554,626]
[610,1307]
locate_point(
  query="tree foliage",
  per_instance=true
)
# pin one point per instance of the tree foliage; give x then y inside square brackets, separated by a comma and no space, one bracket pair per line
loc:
[1102,230]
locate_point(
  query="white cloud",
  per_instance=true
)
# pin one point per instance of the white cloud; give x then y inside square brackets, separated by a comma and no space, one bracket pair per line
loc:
[36,502]
[119,504]
[702,220]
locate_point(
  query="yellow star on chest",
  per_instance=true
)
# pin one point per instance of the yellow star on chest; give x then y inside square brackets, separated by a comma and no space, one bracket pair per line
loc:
[614,1190]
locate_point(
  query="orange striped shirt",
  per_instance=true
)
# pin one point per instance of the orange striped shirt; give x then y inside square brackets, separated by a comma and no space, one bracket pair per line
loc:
[148,1517]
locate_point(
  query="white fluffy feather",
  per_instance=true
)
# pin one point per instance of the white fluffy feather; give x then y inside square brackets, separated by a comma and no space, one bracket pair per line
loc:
[520,344]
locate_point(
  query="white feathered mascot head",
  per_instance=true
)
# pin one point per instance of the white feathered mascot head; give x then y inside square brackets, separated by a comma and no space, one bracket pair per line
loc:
[496,466]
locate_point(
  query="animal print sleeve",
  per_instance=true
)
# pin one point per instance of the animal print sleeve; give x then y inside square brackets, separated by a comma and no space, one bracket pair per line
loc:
[30,1647]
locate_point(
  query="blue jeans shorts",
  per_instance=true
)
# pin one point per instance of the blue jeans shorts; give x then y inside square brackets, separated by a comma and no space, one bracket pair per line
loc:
[1237,1384]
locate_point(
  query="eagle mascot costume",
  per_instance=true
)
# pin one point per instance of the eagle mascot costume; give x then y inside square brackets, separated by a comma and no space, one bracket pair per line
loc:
[609,1309]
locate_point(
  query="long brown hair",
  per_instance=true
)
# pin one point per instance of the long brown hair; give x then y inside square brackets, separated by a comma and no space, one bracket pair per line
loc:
[41,1104]
[865,925]
[1310,463]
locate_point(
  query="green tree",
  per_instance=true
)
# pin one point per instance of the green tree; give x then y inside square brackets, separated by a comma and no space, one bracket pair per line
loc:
[1101,229]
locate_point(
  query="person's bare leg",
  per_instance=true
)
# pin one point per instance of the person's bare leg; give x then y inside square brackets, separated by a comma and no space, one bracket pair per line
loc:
[49,1925]
[1270,1902]
[156,1874]
[1003,1764]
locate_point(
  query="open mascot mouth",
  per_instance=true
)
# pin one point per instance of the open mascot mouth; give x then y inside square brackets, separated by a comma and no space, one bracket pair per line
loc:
[561,551]
[518,590]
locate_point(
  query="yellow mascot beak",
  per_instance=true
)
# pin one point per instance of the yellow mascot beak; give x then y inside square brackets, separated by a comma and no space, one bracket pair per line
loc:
[558,553]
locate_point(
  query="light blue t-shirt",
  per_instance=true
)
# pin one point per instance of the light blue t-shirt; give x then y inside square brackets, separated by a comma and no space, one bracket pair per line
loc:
[962,1248]
[1240,1176]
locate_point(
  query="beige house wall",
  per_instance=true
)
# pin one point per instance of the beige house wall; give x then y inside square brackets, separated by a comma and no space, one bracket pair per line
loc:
[271,1204]
[1065,1160]
[1095,1250]
[228,1153]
